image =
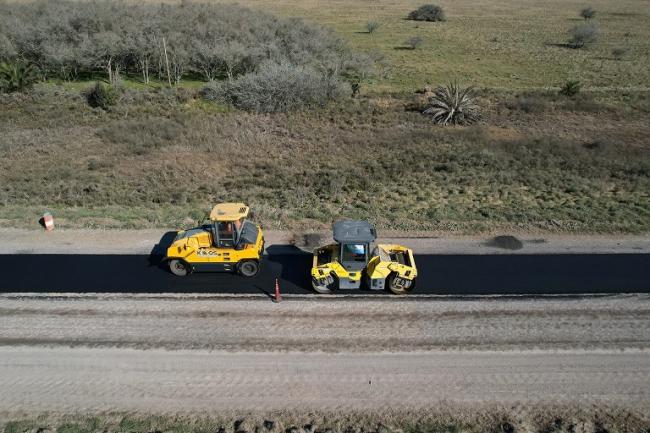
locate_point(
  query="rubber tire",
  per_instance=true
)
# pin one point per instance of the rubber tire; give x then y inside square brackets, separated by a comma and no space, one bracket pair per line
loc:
[248,268]
[178,268]
[329,289]
[390,284]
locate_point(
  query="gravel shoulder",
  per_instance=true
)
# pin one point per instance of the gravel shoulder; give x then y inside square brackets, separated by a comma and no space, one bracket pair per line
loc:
[184,353]
[363,325]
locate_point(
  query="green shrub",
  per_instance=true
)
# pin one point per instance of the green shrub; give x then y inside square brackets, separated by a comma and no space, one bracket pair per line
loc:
[101,96]
[583,35]
[427,13]
[17,76]
[20,426]
[371,26]
[279,88]
[453,104]
[72,428]
[571,88]
[588,13]
[133,424]
[414,42]
[619,52]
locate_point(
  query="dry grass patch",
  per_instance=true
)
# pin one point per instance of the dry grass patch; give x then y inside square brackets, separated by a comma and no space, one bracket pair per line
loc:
[445,418]
[153,164]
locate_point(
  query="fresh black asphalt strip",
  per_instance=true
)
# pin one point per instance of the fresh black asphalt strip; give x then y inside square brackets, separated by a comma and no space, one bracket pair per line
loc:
[438,275]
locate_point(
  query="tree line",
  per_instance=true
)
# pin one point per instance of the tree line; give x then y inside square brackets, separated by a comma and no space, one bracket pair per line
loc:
[70,40]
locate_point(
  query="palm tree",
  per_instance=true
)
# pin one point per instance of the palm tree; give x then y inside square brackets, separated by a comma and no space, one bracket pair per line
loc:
[17,76]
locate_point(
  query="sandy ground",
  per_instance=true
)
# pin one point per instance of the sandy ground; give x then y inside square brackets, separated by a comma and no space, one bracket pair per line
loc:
[86,241]
[178,353]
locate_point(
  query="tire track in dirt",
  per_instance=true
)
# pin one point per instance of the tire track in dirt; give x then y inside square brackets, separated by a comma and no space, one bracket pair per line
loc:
[353,326]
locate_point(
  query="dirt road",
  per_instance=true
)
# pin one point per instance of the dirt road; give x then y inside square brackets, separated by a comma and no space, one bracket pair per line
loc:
[169,354]
[60,379]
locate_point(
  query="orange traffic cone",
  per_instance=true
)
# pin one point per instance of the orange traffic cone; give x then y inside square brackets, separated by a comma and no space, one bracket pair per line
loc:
[48,221]
[278,297]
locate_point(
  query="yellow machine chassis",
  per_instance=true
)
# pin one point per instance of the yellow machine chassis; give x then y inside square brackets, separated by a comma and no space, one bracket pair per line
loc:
[197,250]
[199,253]
[380,272]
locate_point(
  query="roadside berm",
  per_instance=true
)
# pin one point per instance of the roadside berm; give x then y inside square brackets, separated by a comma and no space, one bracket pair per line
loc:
[448,417]
[90,241]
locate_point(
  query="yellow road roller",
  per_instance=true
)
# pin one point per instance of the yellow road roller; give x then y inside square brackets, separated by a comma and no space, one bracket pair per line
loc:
[354,262]
[226,242]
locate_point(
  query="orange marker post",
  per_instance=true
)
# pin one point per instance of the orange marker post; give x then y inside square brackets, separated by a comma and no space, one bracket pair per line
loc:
[278,297]
[48,221]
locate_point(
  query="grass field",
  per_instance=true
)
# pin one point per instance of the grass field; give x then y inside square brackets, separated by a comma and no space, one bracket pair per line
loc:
[536,161]
[503,44]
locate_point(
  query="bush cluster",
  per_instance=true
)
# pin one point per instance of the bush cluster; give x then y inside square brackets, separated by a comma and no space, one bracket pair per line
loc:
[275,88]
[371,26]
[68,39]
[413,42]
[619,52]
[427,13]
[101,96]
[583,35]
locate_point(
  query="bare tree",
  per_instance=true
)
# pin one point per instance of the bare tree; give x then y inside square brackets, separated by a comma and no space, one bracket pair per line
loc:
[179,56]
[106,49]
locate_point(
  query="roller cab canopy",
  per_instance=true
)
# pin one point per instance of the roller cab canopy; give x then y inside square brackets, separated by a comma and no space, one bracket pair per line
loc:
[229,212]
[361,232]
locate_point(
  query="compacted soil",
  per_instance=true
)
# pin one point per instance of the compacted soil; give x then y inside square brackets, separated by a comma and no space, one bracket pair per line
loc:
[183,353]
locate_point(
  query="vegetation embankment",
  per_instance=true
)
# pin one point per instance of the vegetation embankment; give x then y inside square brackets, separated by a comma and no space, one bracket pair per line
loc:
[444,419]
[160,156]
[156,146]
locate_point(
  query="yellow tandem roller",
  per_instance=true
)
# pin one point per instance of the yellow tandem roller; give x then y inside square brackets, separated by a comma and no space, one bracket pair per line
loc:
[351,264]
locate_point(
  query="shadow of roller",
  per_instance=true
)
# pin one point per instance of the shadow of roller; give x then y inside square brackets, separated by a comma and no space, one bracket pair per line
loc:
[291,265]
